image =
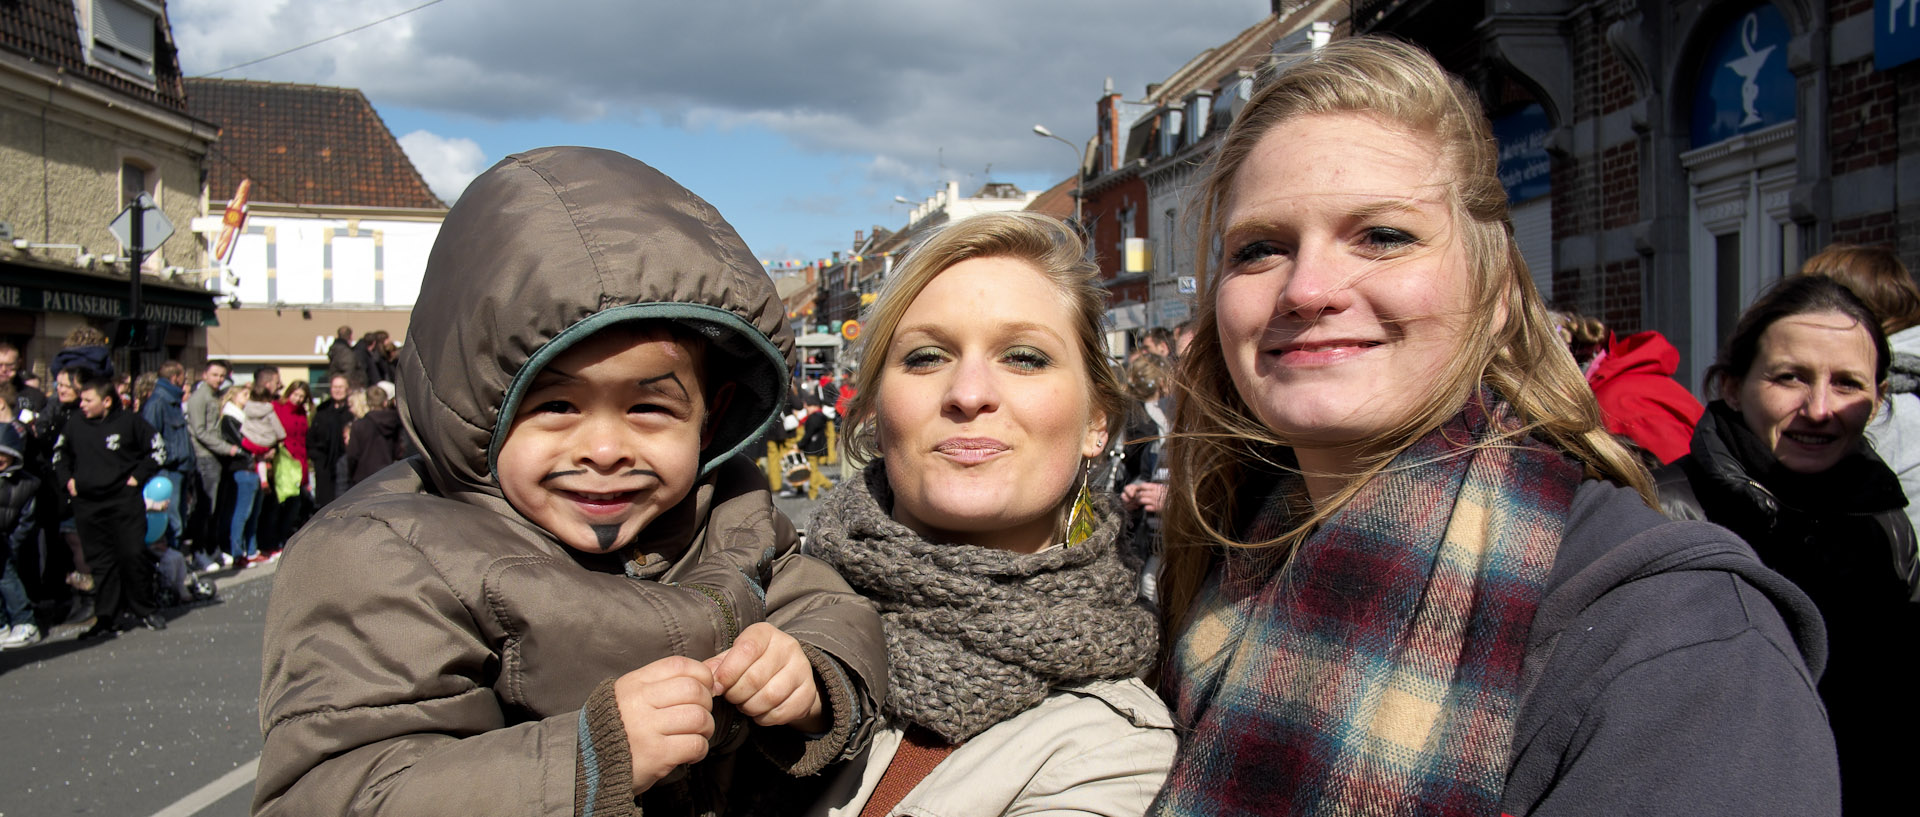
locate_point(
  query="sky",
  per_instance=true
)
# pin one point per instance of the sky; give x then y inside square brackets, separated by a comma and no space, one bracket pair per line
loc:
[800,120]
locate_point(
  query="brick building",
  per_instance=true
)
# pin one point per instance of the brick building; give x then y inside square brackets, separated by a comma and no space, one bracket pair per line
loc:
[92,115]
[1694,151]
[1145,157]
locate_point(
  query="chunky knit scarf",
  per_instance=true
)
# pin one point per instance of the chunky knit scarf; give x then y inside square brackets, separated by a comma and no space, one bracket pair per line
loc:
[1376,672]
[976,635]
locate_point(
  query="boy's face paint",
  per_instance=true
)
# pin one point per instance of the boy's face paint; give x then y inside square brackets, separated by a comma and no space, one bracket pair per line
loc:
[609,535]
[607,439]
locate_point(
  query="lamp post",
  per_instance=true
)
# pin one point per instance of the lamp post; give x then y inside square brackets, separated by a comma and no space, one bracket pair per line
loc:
[1079,155]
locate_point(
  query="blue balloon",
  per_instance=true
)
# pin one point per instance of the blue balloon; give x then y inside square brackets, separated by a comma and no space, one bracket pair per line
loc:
[159,489]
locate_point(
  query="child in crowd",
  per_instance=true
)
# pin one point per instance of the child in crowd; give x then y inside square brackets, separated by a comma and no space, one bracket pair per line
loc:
[577,598]
[103,456]
[17,524]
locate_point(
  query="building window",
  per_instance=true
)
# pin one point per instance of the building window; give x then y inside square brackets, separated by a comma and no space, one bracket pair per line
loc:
[124,34]
[133,182]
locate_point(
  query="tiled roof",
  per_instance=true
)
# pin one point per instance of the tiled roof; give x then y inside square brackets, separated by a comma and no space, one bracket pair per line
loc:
[1057,201]
[48,32]
[304,144]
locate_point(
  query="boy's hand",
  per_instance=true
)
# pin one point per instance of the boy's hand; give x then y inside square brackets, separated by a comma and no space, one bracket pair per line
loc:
[667,709]
[72,491]
[769,679]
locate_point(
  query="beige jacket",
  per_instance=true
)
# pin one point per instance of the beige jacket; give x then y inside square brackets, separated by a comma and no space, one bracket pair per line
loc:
[1101,748]
[429,651]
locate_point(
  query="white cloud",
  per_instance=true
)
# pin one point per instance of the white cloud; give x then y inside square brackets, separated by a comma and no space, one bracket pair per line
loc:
[917,82]
[447,164]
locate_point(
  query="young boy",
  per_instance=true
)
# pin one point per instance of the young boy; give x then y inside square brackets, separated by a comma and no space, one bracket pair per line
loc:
[103,456]
[577,599]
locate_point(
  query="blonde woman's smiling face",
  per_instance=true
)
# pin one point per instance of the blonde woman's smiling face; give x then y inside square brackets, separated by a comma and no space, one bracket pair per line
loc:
[1345,288]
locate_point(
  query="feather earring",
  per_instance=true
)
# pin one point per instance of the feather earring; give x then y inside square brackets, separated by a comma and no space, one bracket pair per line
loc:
[1080,524]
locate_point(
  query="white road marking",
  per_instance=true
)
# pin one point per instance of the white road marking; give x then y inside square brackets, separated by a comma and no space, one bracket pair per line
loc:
[211,793]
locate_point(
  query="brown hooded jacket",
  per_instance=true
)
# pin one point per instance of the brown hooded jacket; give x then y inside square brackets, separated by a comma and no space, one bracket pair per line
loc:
[431,651]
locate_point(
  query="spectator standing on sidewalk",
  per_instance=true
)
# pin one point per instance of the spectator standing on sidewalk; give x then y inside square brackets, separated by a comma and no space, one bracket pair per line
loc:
[375,362]
[373,441]
[85,347]
[18,490]
[40,572]
[341,360]
[212,452]
[163,411]
[289,474]
[55,503]
[103,457]
[258,431]
[327,439]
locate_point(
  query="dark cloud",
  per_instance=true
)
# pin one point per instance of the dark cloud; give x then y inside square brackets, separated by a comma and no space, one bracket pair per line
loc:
[911,83]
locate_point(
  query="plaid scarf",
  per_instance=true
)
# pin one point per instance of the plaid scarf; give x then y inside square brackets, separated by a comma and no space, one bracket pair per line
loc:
[1377,671]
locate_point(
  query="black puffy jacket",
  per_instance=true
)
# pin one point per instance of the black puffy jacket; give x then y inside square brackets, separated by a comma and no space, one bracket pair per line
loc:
[1843,536]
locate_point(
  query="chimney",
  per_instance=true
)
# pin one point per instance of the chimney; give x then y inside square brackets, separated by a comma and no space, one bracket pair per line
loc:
[859,236]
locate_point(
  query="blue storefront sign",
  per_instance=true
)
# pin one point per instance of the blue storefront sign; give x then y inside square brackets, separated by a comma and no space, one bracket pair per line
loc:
[1744,83]
[1896,32]
[1525,169]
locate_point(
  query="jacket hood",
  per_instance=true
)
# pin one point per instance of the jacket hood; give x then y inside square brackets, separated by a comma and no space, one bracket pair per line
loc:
[11,445]
[1638,353]
[549,247]
[165,390]
[257,409]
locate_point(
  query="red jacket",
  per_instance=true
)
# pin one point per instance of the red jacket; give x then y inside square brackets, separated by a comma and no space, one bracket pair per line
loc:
[1639,399]
[295,422]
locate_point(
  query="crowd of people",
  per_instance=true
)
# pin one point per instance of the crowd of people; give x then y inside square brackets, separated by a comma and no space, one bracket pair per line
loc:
[91,531]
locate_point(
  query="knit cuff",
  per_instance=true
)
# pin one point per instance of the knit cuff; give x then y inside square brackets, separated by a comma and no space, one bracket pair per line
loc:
[799,754]
[603,766]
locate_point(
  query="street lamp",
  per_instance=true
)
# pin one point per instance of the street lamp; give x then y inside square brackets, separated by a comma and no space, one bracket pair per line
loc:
[1079,155]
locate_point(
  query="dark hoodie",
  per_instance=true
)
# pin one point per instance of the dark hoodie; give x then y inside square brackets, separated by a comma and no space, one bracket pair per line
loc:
[431,651]
[374,444]
[1668,673]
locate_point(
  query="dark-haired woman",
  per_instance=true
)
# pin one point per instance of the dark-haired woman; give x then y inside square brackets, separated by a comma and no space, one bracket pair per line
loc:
[1779,459]
[1884,285]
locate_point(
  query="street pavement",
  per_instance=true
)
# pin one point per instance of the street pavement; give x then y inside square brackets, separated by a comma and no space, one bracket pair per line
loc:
[137,724]
[149,724]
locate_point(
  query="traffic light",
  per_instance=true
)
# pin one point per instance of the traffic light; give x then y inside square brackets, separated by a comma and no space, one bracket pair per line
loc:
[139,336]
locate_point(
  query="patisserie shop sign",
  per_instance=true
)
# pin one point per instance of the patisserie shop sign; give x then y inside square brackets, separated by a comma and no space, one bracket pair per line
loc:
[98,306]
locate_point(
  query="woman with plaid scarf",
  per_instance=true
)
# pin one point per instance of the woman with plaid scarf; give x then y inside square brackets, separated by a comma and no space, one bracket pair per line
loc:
[1407,570]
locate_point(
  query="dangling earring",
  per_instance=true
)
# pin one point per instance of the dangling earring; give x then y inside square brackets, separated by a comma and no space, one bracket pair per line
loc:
[1080,522]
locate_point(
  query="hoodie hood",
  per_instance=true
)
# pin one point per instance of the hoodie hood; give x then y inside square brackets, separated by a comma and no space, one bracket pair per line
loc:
[549,247]
[1638,353]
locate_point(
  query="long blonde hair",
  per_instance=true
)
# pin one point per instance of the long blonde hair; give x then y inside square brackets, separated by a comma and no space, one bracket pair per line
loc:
[1036,238]
[1508,343]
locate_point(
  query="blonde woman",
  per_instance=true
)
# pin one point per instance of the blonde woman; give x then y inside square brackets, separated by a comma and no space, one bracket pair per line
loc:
[1014,631]
[1408,571]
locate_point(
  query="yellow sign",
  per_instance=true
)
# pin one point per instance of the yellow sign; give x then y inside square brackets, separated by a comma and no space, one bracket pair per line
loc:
[850,330]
